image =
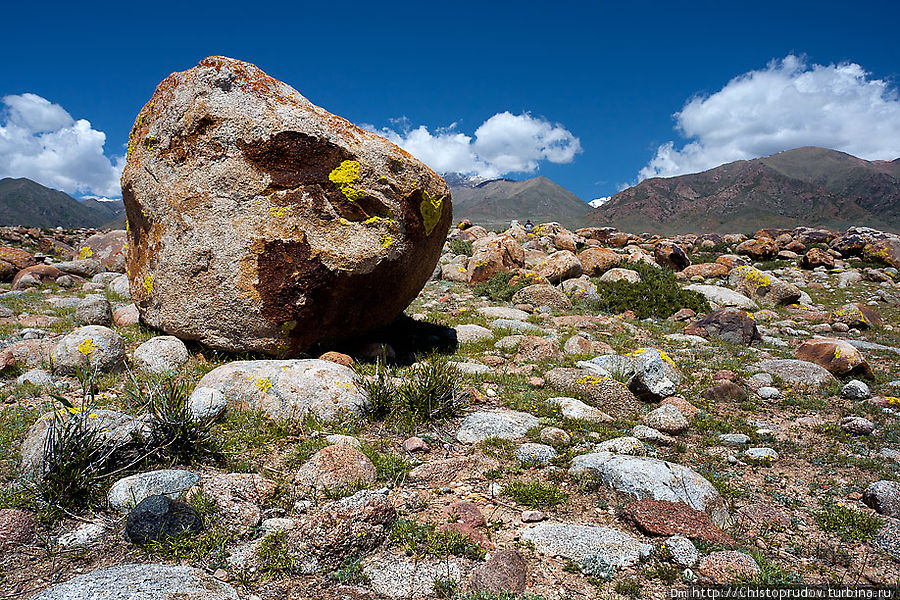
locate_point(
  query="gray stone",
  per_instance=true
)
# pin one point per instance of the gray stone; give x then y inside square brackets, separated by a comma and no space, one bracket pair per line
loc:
[101,347]
[120,287]
[580,542]
[514,325]
[117,432]
[207,403]
[288,388]
[506,424]
[761,454]
[128,492]
[94,310]
[648,434]
[855,390]
[37,377]
[666,418]
[400,577]
[797,372]
[622,445]
[883,497]
[86,534]
[535,454]
[653,478]
[722,297]
[105,278]
[572,408]
[161,355]
[85,267]
[733,439]
[466,334]
[141,582]
[502,312]
[683,551]
[768,393]
[857,425]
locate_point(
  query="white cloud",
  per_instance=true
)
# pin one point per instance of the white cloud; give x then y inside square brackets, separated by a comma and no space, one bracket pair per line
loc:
[505,143]
[41,141]
[786,105]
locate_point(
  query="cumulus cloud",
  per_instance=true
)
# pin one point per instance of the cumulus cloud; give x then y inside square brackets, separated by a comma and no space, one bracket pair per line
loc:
[41,141]
[786,105]
[505,143]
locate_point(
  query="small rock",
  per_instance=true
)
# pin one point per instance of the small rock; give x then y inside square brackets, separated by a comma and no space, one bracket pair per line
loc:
[506,424]
[855,390]
[94,310]
[761,454]
[415,444]
[532,516]
[727,566]
[466,512]
[16,527]
[130,491]
[768,393]
[161,355]
[466,334]
[883,497]
[555,436]
[682,550]
[207,403]
[666,418]
[127,315]
[857,425]
[38,377]
[158,517]
[734,439]
[504,571]
[336,467]
[535,454]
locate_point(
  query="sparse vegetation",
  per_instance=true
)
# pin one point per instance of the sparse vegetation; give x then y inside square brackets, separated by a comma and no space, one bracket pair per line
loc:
[535,494]
[656,295]
[422,539]
[848,523]
[498,288]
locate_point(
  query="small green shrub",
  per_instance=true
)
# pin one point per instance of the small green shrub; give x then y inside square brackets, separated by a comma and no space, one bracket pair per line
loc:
[181,436]
[350,573]
[498,287]
[656,295]
[848,523]
[535,494]
[274,554]
[629,587]
[497,448]
[389,466]
[445,587]
[422,539]
[429,393]
[460,247]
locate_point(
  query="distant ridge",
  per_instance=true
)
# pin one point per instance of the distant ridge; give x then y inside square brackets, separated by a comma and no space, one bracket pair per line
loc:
[25,202]
[806,186]
[495,202]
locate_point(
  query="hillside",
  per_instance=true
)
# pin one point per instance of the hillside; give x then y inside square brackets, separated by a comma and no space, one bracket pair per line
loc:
[810,186]
[496,202]
[25,202]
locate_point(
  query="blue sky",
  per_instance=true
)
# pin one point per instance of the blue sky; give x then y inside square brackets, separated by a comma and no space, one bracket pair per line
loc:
[590,88]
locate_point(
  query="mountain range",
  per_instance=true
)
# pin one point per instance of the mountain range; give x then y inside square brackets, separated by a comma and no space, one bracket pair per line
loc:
[805,186]
[494,203]
[25,202]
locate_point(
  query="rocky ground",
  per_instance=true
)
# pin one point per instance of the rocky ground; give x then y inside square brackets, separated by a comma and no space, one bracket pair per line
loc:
[560,414]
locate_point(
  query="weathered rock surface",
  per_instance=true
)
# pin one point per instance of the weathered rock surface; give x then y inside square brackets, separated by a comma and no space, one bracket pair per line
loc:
[141,582]
[259,221]
[837,356]
[581,542]
[506,424]
[336,467]
[106,248]
[797,372]
[721,297]
[158,517]
[130,491]
[101,347]
[164,354]
[762,286]
[287,388]
[654,478]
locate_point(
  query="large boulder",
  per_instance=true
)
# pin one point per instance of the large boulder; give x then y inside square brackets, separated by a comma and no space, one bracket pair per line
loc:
[727,324]
[837,356]
[597,261]
[106,248]
[653,478]
[493,255]
[259,221]
[670,254]
[762,286]
[288,388]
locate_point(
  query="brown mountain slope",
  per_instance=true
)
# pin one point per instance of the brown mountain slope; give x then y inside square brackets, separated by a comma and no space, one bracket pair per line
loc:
[496,202]
[806,186]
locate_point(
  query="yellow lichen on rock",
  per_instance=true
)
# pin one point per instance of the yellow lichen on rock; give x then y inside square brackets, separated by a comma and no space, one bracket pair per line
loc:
[86,252]
[431,208]
[343,176]
[148,283]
